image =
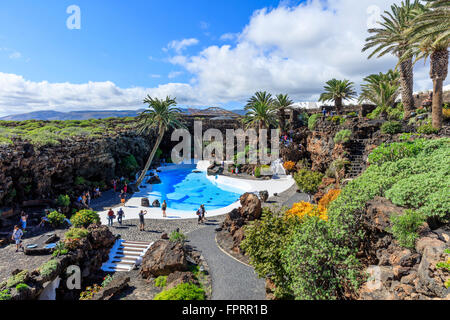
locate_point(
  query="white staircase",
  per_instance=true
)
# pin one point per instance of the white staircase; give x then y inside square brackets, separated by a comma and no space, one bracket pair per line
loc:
[124,255]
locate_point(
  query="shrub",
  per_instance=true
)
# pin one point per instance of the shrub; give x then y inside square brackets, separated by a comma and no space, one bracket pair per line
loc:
[446,114]
[5,295]
[391,127]
[184,291]
[306,209]
[56,219]
[84,218]
[395,151]
[342,136]
[263,243]
[16,279]
[107,280]
[48,268]
[80,181]
[89,292]
[308,181]
[427,128]
[63,200]
[161,281]
[258,172]
[130,165]
[22,287]
[404,227]
[337,120]
[289,165]
[352,114]
[329,197]
[312,121]
[177,236]
[76,233]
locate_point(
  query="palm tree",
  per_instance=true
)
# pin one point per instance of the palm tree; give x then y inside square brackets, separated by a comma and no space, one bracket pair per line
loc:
[337,91]
[261,96]
[281,103]
[161,115]
[381,89]
[430,34]
[391,37]
[261,115]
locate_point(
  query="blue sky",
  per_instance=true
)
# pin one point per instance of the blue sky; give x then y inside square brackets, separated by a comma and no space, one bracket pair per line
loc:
[203,53]
[119,41]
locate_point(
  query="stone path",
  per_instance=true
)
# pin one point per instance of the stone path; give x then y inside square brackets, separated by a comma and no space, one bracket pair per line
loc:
[231,280]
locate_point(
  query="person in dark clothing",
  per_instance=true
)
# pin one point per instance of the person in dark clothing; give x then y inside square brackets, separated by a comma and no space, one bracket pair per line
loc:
[142,220]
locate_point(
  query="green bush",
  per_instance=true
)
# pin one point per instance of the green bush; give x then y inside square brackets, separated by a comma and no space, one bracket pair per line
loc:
[258,172]
[427,128]
[84,218]
[177,237]
[161,281]
[263,243]
[80,181]
[56,219]
[184,291]
[395,151]
[308,181]
[312,121]
[343,136]
[130,165]
[76,233]
[404,227]
[16,279]
[391,127]
[48,268]
[63,200]
[22,287]
[337,120]
[5,295]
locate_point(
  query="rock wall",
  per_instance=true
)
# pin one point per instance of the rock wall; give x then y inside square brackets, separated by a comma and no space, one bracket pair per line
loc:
[41,172]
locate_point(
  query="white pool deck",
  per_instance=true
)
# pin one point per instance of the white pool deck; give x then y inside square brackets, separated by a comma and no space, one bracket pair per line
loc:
[133,205]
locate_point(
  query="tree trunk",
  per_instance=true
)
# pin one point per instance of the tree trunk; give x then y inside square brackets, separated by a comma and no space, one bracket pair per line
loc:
[150,158]
[438,73]
[338,105]
[407,86]
[282,120]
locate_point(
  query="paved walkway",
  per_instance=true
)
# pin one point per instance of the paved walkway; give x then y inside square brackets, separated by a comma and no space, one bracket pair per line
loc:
[231,280]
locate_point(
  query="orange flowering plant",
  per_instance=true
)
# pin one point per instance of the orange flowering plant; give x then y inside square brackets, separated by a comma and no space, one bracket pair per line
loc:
[289,165]
[329,197]
[303,209]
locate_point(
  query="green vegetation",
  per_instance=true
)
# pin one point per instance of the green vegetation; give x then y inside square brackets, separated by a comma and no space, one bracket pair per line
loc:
[184,291]
[76,233]
[317,258]
[176,236]
[337,120]
[343,136]
[56,219]
[84,218]
[63,200]
[5,295]
[338,91]
[48,268]
[261,111]
[308,181]
[312,121]
[427,128]
[391,127]
[258,172]
[22,287]
[60,249]
[161,281]
[42,133]
[130,165]
[107,280]
[405,226]
[16,279]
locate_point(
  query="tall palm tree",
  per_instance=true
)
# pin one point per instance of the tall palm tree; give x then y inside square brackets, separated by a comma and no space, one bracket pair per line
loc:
[261,96]
[161,115]
[391,37]
[261,115]
[381,89]
[281,103]
[337,91]
[430,34]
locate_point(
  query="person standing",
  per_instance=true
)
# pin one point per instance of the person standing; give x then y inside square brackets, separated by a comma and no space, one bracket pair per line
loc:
[88,198]
[123,197]
[17,237]
[199,215]
[125,188]
[164,208]
[203,211]
[142,220]
[110,217]
[23,220]
[120,215]
[114,182]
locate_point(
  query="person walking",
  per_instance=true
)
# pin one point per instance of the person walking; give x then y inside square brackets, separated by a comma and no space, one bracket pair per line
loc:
[123,197]
[120,215]
[142,220]
[110,217]
[17,238]
[199,215]
[23,220]
[164,208]
[88,198]
[114,183]
[125,188]
[203,211]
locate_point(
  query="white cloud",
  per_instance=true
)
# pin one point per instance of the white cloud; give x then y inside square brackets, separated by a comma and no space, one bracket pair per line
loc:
[174,74]
[180,45]
[229,36]
[289,49]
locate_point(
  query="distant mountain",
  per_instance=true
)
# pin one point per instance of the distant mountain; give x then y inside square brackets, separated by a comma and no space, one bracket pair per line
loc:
[88,114]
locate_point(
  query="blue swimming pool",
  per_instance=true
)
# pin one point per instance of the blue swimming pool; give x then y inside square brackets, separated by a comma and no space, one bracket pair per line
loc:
[186,190]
